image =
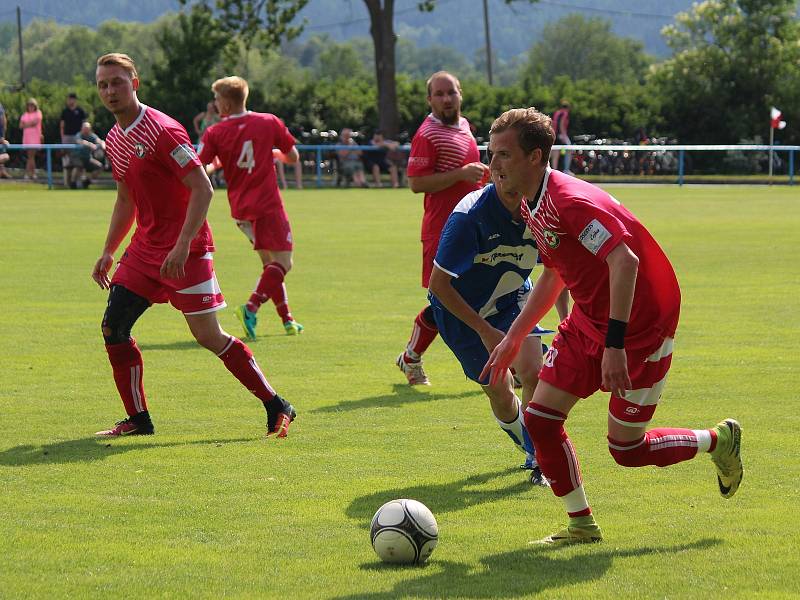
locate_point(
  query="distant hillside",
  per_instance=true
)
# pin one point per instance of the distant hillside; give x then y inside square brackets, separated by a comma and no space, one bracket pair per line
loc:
[455,23]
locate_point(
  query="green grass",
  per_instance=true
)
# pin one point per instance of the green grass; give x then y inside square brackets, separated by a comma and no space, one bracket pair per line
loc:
[208,508]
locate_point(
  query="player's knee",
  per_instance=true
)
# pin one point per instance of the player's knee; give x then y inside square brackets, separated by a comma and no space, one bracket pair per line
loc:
[213,340]
[115,333]
[427,316]
[631,454]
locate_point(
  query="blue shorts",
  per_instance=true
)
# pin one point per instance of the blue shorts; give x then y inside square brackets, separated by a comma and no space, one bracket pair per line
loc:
[466,344]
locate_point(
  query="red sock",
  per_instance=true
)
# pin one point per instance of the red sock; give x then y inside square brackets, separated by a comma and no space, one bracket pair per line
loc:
[126,363]
[281,301]
[554,450]
[239,360]
[268,286]
[422,336]
[659,447]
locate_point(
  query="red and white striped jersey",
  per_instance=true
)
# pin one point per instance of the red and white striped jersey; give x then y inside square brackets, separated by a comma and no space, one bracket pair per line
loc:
[576,225]
[437,148]
[152,156]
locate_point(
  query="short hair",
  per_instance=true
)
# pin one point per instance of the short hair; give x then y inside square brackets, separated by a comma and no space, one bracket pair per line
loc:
[233,89]
[117,59]
[534,129]
[72,95]
[440,75]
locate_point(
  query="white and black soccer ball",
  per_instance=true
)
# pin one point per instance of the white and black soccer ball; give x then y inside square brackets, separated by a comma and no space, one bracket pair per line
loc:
[404,532]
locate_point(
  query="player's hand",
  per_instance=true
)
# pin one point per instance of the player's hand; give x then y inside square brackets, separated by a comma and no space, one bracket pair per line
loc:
[101,269]
[500,359]
[475,172]
[614,368]
[173,265]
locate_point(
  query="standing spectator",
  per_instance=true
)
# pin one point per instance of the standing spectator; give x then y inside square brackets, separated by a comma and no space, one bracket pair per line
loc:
[205,119]
[561,127]
[72,118]
[31,124]
[4,157]
[445,165]
[378,160]
[350,160]
[83,158]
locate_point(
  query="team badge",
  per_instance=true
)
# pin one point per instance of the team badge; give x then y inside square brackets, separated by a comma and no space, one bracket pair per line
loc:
[551,238]
[140,150]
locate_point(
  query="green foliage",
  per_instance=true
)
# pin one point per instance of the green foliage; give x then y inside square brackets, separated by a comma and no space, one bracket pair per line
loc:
[581,48]
[733,60]
[268,22]
[180,85]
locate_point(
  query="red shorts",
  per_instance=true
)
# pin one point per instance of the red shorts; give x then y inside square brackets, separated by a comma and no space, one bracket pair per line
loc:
[269,233]
[194,294]
[429,248]
[573,364]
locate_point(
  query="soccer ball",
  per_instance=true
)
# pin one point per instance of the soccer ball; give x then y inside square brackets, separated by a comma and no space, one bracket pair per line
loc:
[404,532]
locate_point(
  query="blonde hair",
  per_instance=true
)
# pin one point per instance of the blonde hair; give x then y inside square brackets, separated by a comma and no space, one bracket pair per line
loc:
[442,75]
[32,101]
[233,89]
[119,60]
[534,129]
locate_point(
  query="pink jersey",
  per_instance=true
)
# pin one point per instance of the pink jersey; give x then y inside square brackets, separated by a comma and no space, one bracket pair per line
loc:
[151,157]
[437,148]
[576,225]
[244,145]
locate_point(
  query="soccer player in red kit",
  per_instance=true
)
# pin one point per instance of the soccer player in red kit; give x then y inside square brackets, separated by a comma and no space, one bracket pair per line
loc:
[619,335]
[444,163]
[244,142]
[162,186]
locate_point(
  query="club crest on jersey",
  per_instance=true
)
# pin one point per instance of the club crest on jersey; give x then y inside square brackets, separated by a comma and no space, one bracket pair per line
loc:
[551,238]
[140,149]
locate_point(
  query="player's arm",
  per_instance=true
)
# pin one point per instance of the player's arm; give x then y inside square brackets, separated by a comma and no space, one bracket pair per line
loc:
[441,286]
[545,291]
[436,182]
[287,158]
[623,266]
[197,209]
[121,222]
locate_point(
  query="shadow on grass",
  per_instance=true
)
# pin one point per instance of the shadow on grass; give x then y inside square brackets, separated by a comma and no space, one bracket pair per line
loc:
[402,394]
[189,344]
[89,449]
[534,569]
[446,497]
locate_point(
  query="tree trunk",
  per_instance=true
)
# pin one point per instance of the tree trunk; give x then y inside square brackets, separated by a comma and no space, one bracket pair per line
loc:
[384,41]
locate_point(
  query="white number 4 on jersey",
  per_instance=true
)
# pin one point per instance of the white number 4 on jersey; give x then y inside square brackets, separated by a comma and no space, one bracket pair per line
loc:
[247,158]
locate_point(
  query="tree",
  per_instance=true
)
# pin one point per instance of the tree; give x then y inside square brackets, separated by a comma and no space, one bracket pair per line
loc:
[180,84]
[599,55]
[732,60]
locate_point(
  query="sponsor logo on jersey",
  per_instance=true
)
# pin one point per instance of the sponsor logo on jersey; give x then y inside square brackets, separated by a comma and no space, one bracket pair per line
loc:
[183,154]
[140,149]
[551,238]
[498,256]
[418,161]
[593,236]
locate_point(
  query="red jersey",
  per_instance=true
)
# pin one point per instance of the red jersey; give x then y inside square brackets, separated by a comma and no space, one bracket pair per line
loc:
[576,225]
[437,148]
[151,157]
[558,116]
[244,144]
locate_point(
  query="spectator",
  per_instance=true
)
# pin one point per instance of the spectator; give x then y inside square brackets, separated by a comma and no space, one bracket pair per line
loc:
[72,118]
[205,119]
[561,127]
[378,160]
[31,124]
[4,157]
[350,164]
[84,158]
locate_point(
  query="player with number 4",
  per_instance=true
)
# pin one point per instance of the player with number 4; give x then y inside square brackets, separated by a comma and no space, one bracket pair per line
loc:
[245,143]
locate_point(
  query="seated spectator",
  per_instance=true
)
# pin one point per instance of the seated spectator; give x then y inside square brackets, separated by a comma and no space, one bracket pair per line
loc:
[378,160]
[87,157]
[350,160]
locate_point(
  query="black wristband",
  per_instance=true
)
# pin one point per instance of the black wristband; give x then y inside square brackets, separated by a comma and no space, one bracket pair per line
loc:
[615,336]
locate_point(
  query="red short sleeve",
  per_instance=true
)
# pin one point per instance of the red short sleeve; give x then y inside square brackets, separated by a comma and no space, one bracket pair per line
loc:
[597,230]
[422,159]
[174,149]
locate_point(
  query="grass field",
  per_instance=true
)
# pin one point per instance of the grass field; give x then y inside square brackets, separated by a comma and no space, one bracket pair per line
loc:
[209,508]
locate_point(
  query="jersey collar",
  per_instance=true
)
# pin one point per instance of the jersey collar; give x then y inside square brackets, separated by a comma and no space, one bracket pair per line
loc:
[540,194]
[237,115]
[142,109]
